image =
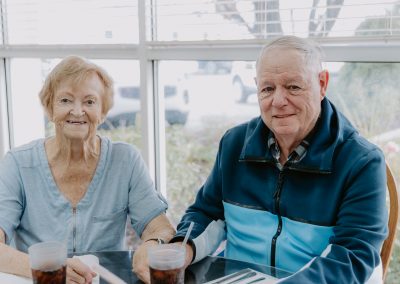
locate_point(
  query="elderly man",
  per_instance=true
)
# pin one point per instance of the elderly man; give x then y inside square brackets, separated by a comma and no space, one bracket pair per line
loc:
[297,188]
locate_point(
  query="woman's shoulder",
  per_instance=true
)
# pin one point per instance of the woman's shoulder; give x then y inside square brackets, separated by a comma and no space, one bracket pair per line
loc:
[27,150]
[120,149]
[27,154]
[34,144]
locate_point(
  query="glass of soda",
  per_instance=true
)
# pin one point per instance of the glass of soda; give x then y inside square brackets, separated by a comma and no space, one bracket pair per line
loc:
[167,264]
[48,262]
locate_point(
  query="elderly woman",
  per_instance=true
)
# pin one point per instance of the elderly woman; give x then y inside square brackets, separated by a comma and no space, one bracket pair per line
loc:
[76,187]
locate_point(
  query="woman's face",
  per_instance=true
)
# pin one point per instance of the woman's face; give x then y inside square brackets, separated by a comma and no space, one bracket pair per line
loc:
[77,109]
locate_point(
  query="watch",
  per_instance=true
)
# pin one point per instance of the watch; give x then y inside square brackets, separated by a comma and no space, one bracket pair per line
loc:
[158,240]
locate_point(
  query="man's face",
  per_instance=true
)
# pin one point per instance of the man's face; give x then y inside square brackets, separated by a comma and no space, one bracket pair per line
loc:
[289,93]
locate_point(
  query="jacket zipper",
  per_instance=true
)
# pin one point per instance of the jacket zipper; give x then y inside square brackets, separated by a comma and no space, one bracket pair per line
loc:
[277,197]
[74,229]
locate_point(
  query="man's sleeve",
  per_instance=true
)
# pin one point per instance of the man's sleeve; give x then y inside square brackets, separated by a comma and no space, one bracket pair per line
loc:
[11,196]
[361,228]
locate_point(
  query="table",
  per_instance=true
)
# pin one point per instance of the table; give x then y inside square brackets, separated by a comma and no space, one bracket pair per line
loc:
[210,268]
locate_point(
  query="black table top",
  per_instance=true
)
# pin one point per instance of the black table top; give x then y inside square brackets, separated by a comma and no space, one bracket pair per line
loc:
[210,268]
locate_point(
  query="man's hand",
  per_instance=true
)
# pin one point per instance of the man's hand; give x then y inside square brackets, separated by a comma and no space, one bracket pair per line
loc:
[78,272]
[141,263]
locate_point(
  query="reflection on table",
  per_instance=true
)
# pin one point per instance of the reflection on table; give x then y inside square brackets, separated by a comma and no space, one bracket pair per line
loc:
[210,268]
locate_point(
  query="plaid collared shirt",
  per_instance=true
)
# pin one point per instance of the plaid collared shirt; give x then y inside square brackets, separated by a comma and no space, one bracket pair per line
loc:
[296,156]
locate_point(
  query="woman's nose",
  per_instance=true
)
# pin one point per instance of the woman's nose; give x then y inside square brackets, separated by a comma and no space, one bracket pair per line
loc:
[77,111]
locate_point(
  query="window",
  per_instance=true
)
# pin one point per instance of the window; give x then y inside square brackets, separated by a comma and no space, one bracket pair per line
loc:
[243,19]
[71,22]
[188,76]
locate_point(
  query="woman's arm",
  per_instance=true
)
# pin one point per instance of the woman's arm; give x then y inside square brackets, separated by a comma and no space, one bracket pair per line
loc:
[158,228]
[13,261]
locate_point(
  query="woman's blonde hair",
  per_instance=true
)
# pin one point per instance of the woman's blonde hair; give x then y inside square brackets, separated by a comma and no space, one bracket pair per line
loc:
[76,69]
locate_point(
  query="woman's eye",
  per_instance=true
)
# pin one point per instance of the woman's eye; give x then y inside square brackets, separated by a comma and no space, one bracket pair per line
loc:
[64,100]
[90,102]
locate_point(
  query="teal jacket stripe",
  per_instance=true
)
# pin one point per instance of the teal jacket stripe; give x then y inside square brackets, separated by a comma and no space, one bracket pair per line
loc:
[249,234]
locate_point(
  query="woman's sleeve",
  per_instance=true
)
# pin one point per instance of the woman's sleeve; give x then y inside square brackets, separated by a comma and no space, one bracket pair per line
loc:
[11,196]
[145,203]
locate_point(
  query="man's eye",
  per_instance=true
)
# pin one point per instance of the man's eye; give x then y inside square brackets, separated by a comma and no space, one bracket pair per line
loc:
[267,90]
[294,88]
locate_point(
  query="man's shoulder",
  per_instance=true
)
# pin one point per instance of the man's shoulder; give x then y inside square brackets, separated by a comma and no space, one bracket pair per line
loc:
[362,146]
[245,128]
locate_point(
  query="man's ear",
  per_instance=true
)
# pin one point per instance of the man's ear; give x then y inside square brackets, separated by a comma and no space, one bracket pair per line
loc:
[323,79]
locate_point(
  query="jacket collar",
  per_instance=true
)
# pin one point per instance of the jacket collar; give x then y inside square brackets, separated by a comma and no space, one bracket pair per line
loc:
[331,131]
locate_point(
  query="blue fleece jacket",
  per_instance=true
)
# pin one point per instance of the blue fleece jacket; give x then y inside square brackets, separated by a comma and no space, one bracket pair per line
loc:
[324,218]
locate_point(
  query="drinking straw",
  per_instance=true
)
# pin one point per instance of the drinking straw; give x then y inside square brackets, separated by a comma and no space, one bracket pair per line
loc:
[187,234]
[107,274]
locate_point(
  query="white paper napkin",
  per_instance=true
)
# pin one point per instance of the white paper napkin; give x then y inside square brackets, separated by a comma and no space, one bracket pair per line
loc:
[90,260]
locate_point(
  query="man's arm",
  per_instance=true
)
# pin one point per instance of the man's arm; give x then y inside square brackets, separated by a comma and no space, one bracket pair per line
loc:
[158,228]
[13,261]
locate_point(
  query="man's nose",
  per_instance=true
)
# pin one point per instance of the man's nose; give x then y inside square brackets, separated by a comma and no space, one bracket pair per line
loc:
[279,98]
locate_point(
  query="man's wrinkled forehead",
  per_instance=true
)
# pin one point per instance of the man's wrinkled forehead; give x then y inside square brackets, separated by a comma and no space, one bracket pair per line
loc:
[278,59]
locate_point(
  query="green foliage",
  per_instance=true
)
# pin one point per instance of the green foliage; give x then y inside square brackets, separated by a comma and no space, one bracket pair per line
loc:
[367,94]
[190,157]
[393,276]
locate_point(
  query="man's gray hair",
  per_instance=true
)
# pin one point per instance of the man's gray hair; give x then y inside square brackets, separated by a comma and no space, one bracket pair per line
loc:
[312,52]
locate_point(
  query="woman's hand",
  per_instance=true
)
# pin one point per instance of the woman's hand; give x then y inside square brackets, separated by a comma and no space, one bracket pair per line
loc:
[140,261]
[78,272]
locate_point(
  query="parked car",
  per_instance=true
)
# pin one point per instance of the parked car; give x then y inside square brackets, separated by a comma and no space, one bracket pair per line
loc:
[127,105]
[214,67]
[243,83]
